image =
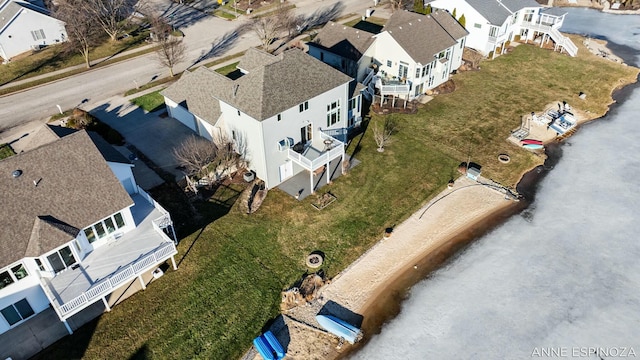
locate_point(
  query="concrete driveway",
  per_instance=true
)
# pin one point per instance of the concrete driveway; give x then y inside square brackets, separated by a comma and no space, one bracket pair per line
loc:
[151,134]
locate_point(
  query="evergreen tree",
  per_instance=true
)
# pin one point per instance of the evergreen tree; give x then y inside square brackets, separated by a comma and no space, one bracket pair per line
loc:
[463,21]
[427,11]
[454,13]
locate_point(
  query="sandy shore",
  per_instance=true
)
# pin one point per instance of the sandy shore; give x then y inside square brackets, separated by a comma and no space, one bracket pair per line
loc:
[352,292]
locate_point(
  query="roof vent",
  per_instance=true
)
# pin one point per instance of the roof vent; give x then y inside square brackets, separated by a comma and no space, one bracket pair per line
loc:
[400,27]
[409,24]
[16,173]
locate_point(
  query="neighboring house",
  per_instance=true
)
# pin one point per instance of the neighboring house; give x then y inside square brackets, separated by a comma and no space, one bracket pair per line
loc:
[341,46]
[412,54]
[77,234]
[26,26]
[493,23]
[291,111]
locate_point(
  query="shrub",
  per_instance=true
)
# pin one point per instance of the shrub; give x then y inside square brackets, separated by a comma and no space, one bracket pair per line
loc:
[81,119]
[516,38]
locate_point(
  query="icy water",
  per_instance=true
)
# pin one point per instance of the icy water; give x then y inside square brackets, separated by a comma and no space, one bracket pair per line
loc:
[561,280]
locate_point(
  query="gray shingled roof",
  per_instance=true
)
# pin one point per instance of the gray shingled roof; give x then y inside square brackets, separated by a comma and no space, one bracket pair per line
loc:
[254,58]
[194,90]
[348,42]
[8,12]
[421,36]
[450,24]
[292,78]
[497,11]
[75,189]
[10,9]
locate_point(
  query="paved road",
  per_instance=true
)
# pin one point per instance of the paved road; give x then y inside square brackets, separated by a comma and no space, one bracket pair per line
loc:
[204,36]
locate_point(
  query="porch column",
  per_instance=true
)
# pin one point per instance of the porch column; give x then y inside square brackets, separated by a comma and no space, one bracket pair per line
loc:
[106,304]
[313,191]
[173,262]
[175,238]
[342,161]
[328,170]
[144,287]
[66,325]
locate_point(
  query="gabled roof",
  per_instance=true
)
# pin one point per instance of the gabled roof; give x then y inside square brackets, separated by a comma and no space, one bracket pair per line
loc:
[10,8]
[348,42]
[75,188]
[450,24]
[254,58]
[194,92]
[290,79]
[422,36]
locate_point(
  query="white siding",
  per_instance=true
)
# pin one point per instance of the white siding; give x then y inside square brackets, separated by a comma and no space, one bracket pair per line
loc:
[181,114]
[27,288]
[16,38]
[124,173]
[478,37]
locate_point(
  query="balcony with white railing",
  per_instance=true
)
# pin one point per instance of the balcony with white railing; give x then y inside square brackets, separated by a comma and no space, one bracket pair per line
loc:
[114,264]
[320,152]
[549,25]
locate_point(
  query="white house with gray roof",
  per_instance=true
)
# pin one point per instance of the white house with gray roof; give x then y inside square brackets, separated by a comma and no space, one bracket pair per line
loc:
[292,111]
[25,26]
[77,232]
[493,23]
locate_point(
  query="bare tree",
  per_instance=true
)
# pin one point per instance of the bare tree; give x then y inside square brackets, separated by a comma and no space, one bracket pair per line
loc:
[396,4]
[171,50]
[195,154]
[286,19]
[82,32]
[111,14]
[382,134]
[210,160]
[267,29]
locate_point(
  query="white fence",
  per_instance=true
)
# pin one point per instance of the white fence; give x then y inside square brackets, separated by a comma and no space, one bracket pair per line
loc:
[112,282]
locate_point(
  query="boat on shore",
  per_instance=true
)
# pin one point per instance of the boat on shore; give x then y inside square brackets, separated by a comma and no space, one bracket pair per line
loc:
[340,328]
[531,141]
[533,146]
[269,347]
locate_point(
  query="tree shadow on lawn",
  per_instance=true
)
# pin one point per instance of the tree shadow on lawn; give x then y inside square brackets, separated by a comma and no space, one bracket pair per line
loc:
[38,65]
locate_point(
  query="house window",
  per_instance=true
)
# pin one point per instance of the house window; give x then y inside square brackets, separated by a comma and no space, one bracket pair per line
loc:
[389,63]
[61,259]
[306,134]
[104,227]
[514,18]
[5,279]
[477,26]
[17,312]
[19,271]
[285,143]
[38,35]
[403,69]
[441,55]
[418,72]
[39,263]
[304,106]
[12,275]
[279,117]
[493,32]
[333,113]
[528,15]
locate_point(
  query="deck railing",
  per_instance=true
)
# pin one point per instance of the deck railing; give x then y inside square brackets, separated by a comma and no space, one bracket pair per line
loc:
[325,157]
[556,36]
[112,282]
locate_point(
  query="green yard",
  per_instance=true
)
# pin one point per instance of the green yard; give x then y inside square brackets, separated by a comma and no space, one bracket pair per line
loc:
[150,102]
[6,151]
[233,267]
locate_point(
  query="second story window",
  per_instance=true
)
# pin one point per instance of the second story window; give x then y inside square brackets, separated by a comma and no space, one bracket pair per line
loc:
[304,106]
[12,275]
[389,63]
[333,113]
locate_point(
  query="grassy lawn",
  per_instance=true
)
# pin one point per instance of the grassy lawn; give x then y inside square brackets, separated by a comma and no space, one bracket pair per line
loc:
[56,57]
[372,24]
[230,71]
[150,102]
[233,266]
[6,151]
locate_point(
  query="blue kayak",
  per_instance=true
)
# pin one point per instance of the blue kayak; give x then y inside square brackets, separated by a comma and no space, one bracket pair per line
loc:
[339,327]
[269,347]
